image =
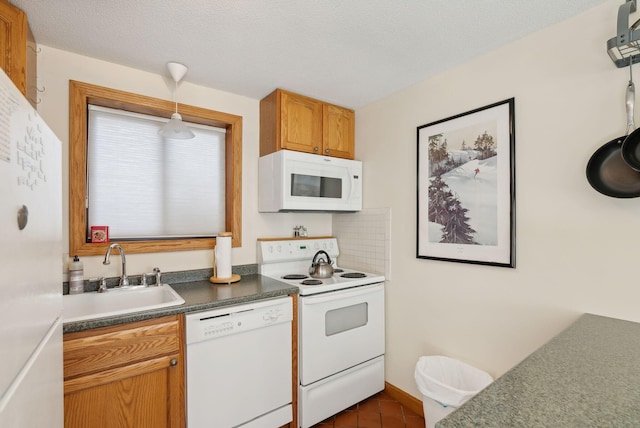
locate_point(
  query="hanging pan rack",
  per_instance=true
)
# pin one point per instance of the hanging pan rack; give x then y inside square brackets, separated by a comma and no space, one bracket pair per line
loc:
[625,46]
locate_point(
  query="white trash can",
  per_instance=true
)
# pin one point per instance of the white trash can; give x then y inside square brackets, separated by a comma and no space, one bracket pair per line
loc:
[445,384]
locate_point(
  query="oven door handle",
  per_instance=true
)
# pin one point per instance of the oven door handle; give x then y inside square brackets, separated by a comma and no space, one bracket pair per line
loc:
[342,294]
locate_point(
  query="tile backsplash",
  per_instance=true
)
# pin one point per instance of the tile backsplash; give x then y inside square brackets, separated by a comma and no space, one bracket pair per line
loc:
[364,240]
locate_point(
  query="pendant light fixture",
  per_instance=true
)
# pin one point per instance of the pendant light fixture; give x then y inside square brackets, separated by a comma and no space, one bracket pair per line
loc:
[175,128]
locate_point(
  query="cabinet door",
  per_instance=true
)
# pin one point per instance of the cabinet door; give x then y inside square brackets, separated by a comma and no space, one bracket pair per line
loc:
[338,131]
[301,123]
[146,394]
[18,51]
[13,27]
[128,375]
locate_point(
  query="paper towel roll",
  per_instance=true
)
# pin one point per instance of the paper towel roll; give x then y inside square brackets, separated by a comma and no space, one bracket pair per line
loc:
[223,255]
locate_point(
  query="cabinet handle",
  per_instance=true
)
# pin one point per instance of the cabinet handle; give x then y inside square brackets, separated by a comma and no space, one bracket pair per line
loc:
[315,149]
[326,150]
[173,362]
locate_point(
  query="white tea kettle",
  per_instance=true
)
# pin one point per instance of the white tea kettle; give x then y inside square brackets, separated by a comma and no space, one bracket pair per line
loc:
[321,268]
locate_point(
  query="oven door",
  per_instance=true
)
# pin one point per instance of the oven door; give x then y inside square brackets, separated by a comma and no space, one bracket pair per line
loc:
[339,330]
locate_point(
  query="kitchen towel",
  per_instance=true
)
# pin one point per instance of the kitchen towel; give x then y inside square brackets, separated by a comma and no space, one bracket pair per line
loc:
[222,255]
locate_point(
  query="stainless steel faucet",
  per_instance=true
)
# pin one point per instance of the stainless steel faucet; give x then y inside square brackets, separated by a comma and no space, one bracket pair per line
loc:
[158,275]
[124,280]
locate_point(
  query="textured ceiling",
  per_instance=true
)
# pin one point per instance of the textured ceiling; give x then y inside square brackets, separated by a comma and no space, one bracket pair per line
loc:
[349,52]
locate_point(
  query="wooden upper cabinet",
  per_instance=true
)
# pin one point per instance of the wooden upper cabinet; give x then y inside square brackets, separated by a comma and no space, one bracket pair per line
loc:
[300,123]
[295,122]
[18,50]
[338,131]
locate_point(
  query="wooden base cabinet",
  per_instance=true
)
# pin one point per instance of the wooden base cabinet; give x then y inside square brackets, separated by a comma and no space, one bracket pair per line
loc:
[129,375]
[295,122]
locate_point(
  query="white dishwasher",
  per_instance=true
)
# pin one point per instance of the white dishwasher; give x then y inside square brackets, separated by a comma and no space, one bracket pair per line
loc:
[239,366]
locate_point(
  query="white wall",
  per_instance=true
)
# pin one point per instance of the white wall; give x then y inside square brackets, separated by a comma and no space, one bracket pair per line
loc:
[57,67]
[577,250]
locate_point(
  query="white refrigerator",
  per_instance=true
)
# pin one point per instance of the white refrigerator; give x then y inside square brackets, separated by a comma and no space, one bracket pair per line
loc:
[31,379]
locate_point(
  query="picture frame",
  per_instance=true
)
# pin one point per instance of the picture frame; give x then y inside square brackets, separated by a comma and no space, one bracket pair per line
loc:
[466,187]
[99,234]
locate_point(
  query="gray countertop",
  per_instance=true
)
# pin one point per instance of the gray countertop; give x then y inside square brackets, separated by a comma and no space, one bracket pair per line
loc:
[586,376]
[200,295]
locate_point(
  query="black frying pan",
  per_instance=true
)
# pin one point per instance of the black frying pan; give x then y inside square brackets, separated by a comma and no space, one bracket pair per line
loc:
[631,145]
[630,150]
[607,171]
[609,174]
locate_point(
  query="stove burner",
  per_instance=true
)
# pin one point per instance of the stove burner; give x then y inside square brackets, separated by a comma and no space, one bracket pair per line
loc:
[295,276]
[338,270]
[353,275]
[311,282]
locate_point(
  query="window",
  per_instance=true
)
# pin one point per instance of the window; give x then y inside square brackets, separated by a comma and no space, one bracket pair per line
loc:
[171,188]
[154,194]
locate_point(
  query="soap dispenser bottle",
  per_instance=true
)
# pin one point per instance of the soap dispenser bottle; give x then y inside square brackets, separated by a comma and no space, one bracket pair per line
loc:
[76,276]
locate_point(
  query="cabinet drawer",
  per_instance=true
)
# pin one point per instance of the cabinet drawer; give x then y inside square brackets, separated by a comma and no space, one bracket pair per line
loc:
[104,348]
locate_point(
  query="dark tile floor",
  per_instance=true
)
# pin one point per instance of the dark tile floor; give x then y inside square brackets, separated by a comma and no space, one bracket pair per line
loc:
[378,411]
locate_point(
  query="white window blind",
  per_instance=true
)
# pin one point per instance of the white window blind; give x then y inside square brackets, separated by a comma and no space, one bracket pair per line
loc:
[144,186]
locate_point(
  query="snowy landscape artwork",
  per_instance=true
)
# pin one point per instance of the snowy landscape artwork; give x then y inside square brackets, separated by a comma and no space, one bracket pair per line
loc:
[466,187]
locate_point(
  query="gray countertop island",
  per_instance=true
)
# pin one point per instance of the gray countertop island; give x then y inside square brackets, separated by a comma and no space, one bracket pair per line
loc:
[586,376]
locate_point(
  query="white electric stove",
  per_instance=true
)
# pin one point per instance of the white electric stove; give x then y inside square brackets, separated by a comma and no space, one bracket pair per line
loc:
[340,327]
[289,262]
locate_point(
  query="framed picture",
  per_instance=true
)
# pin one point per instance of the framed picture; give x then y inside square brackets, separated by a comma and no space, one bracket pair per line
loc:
[466,187]
[99,234]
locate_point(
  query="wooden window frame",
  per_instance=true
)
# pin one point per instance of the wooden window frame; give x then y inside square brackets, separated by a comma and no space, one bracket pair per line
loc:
[80,96]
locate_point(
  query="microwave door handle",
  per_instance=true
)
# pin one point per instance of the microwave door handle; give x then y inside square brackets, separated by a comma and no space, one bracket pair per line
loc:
[338,295]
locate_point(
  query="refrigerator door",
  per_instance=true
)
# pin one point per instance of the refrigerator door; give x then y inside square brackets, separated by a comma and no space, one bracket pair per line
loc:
[31,225]
[34,399]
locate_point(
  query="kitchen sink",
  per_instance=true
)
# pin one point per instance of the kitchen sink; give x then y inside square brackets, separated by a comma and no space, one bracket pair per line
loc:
[117,301]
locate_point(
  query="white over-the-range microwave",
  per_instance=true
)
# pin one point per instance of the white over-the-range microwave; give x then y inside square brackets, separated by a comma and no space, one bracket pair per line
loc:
[297,181]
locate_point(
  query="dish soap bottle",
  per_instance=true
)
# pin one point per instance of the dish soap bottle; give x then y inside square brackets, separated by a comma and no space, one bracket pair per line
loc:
[76,276]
